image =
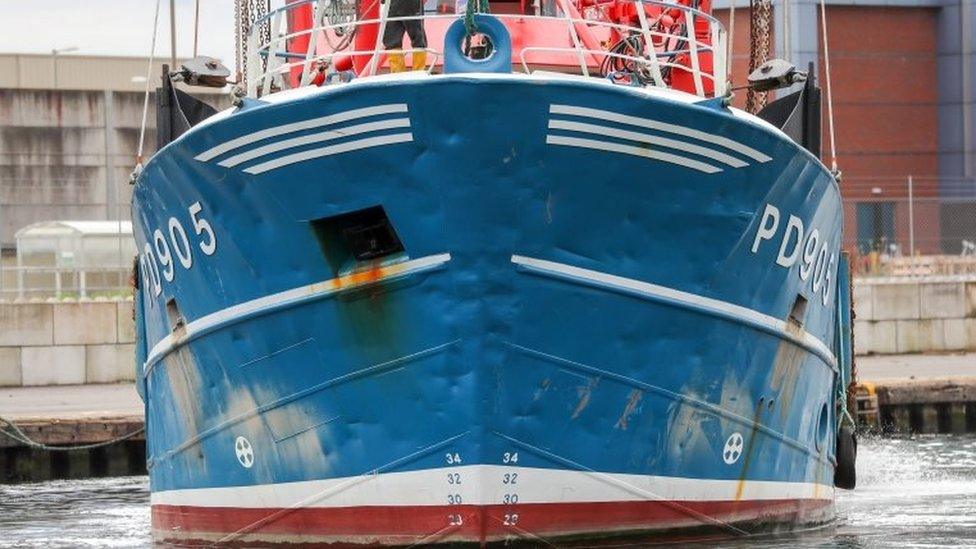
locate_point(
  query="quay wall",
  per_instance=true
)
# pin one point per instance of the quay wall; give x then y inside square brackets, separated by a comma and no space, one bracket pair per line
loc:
[66,343]
[77,342]
[893,316]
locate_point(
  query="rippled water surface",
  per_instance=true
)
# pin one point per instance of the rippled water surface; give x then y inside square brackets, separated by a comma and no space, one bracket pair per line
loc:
[911,493]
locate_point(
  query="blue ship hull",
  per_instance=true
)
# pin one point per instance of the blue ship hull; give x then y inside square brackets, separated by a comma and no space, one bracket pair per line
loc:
[482,307]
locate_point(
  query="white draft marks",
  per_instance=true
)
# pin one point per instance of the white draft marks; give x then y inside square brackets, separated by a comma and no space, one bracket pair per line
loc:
[810,249]
[244,451]
[733,448]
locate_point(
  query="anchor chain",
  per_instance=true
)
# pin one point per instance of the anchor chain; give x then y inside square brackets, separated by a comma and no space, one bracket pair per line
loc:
[760,17]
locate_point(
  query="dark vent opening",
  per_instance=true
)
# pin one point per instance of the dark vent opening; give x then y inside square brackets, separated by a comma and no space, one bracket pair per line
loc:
[799,310]
[173,313]
[362,235]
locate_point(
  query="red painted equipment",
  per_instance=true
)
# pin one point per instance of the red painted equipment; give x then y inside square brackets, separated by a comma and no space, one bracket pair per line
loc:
[677,72]
[299,20]
[683,79]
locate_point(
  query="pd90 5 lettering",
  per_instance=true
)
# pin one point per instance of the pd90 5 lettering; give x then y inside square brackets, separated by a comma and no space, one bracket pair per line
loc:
[167,248]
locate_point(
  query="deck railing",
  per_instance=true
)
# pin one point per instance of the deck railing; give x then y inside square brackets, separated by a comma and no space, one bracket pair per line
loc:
[31,283]
[662,41]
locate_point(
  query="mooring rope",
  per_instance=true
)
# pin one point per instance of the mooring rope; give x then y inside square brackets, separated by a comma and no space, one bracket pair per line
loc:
[10,429]
[730,53]
[830,98]
[145,101]
[196,27]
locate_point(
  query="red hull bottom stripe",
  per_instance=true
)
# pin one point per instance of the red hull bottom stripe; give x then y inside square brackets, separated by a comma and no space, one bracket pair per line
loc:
[475,523]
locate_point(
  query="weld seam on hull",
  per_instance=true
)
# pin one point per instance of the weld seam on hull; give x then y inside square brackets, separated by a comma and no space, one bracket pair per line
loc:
[604,115]
[744,421]
[632,150]
[363,372]
[288,298]
[345,116]
[279,440]
[276,352]
[568,125]
[677,298]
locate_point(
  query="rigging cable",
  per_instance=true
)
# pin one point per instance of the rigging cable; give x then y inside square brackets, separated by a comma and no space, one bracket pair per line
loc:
[731,49]
[145,101]
[196,27]
[830,102]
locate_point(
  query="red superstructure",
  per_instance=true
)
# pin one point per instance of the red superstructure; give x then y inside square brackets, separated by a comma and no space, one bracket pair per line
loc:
[604,33]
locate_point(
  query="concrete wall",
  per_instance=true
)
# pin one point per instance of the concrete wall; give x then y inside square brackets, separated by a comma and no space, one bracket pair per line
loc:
[67,154]
[81,72]
[915,317]
[66,343]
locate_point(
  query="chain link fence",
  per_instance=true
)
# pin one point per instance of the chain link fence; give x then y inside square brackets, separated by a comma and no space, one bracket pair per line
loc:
[59,257]
[53,276]
[65,157]
[911,226]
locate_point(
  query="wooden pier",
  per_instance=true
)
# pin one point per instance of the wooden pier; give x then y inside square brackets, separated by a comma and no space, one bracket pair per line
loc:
[900,394]
[918,394]
[70,416]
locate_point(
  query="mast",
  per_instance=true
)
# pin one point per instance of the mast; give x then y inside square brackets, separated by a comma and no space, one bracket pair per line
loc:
[172,35]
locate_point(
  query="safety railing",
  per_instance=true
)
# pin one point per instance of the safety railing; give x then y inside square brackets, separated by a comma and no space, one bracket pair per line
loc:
[643,42]
[910,226]
[28,283]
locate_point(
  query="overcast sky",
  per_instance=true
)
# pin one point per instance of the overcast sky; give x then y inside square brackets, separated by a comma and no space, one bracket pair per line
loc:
[114,27]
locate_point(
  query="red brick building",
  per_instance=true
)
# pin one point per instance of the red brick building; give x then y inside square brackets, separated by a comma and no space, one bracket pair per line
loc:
[902,78]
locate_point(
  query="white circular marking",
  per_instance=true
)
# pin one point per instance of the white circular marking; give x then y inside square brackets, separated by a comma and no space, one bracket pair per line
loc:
[244,451]
[733,448]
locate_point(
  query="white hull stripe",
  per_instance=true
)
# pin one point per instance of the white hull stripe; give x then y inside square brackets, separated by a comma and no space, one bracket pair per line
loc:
[339,133]
[480,486]
[242,311]
[731,311]
[632,150]
[348,146]
[660,126]
[648,139]
[247,139]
